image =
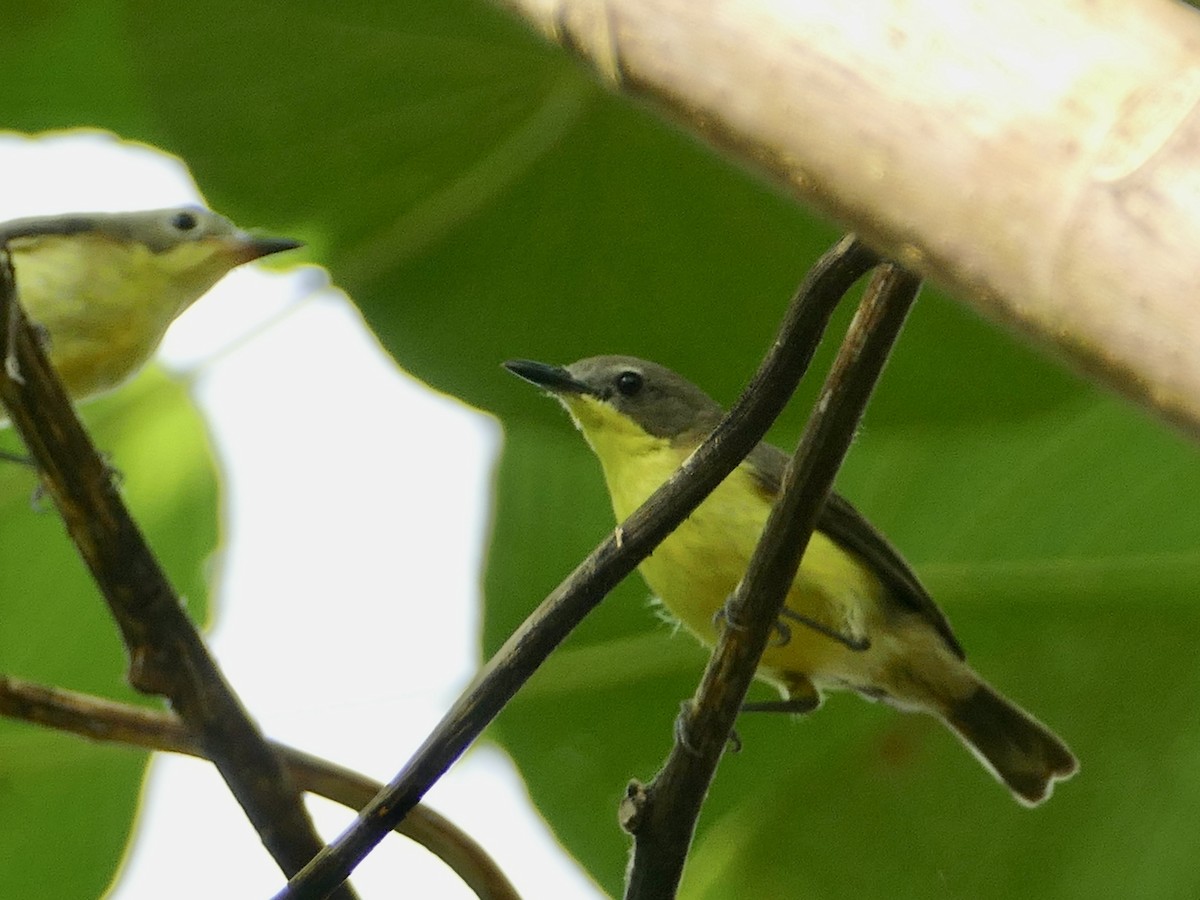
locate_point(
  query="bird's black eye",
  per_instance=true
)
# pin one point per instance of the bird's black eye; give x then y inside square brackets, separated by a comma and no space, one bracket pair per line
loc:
[184,221]
[629,382]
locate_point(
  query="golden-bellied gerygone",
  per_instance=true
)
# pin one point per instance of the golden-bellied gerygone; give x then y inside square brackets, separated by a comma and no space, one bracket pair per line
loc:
[103,287]
[856,617]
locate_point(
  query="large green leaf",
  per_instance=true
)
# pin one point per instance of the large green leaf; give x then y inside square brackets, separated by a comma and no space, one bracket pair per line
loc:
[67,806]
[1064,549]
[477,195]
[481,199]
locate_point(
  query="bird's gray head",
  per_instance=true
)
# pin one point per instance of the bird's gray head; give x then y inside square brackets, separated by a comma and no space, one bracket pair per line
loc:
[157,229]
[160,229]
[660,402]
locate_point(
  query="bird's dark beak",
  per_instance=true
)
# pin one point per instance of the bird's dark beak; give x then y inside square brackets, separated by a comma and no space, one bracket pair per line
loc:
[253,246]
[554,379]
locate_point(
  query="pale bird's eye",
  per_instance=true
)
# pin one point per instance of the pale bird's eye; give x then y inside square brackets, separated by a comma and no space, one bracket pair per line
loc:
[629,383]
[184,221]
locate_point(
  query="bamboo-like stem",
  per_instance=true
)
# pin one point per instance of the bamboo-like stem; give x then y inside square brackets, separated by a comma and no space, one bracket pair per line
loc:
[1037,159]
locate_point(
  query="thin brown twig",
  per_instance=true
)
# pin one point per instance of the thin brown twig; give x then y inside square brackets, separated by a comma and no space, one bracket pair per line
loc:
[662,815]
[512,665]
[101,719]
[166,653]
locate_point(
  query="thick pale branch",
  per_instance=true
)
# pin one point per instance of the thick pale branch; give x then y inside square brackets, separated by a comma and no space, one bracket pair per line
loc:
[1037,159]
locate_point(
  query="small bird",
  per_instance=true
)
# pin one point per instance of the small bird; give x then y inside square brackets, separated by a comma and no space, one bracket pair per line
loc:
[103,287]
[855,618]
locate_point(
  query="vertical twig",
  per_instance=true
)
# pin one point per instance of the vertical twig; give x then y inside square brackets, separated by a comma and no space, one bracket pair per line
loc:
[566,606]
[166,653]
[664,812]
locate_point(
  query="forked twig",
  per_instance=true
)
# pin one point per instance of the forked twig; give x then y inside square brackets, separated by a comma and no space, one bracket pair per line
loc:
[662,815]
[602,570]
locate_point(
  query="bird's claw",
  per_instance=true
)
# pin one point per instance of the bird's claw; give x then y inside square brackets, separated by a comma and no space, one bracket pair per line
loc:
[857,643]
[795,705]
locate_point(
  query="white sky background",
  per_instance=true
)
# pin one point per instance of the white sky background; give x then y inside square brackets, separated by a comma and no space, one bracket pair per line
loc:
[341,529]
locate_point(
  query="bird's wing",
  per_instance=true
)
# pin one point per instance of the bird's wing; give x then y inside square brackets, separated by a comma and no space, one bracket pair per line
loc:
[846,526]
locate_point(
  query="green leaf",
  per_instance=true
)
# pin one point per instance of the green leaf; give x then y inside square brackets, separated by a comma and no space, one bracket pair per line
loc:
[481,199]
[1063,549]
[476,193]
[69,805]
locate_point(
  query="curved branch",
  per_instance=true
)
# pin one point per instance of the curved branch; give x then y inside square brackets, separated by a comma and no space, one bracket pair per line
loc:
[1037,159]
[101,719]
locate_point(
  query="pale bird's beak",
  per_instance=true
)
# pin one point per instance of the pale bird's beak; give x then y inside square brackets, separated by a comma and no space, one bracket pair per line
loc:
[554,379]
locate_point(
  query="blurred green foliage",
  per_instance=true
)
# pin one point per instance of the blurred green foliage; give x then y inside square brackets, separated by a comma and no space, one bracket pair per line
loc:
[481,198]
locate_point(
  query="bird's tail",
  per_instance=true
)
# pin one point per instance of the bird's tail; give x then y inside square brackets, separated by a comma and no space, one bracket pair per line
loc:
[1019,750]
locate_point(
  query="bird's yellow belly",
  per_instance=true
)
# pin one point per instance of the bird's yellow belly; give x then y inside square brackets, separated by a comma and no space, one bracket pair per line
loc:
[696,569]
[102,321]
